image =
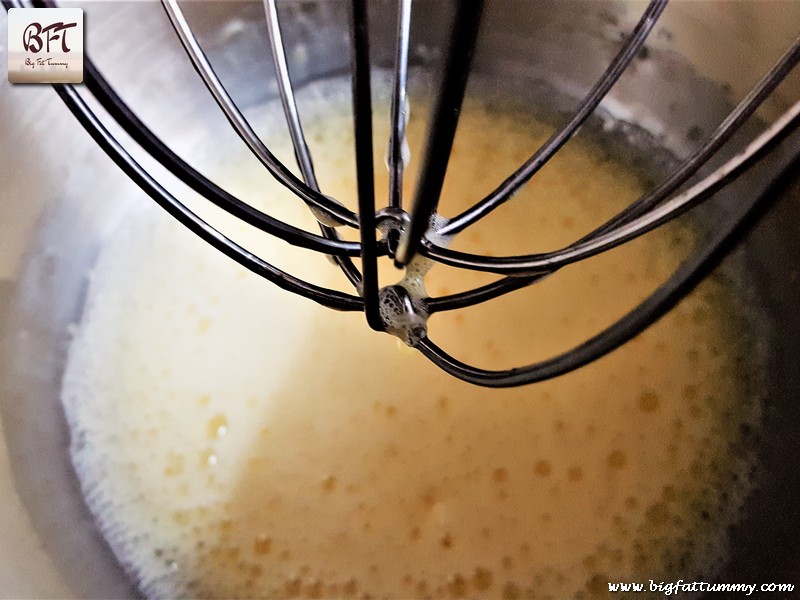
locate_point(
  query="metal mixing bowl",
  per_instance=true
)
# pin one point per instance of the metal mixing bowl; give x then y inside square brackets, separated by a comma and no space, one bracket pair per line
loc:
[60,196]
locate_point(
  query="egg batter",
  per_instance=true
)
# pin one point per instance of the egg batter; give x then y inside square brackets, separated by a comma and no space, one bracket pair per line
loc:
[235,441]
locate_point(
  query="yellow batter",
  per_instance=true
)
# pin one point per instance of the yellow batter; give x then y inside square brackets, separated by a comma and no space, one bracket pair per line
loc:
[234,441]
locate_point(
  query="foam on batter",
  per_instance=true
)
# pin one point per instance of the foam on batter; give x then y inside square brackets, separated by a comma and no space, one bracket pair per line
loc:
[235,441]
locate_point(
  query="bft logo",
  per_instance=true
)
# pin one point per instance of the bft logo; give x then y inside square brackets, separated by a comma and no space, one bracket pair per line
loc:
[45,45]
[32,36]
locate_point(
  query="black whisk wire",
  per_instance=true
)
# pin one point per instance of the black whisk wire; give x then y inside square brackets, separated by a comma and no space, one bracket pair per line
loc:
[443,124]
[365,176]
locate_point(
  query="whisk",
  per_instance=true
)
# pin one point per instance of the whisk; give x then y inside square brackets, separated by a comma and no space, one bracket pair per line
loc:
[403,234]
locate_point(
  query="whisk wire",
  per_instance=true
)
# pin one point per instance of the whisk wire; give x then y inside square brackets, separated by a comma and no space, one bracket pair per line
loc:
[114,149]
[442,129]
[334,210]
[301,150]
[589,103]
[142,135]
[399,116]
[326,297]
[365,176]
[729,126]
[724,132]
[655,216]
[684,280]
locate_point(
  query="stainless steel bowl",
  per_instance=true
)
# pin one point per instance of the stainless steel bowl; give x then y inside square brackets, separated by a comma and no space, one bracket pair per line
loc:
[60,196]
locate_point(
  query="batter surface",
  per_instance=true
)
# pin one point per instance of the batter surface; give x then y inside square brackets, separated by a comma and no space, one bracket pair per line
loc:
[235,441]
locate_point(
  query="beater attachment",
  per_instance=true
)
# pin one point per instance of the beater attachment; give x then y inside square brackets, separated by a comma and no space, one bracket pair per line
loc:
[419,236]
